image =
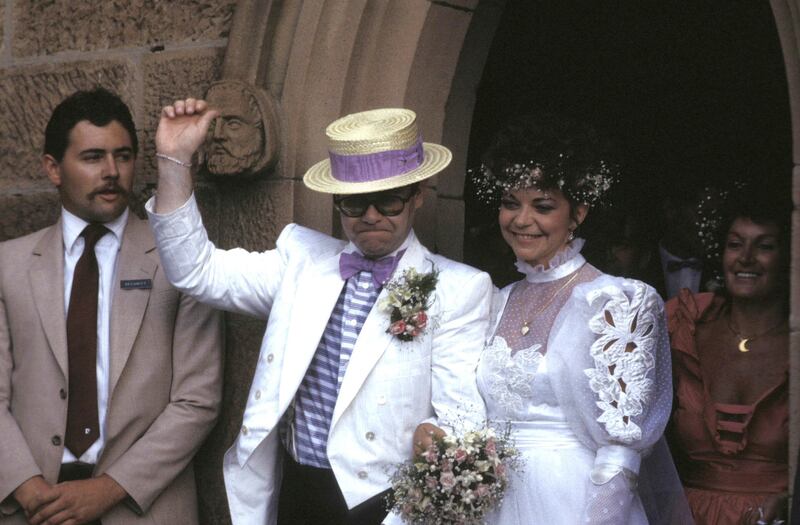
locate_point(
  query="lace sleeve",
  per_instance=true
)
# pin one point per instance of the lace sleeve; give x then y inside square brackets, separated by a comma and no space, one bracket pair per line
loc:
[611,373]
[622,377]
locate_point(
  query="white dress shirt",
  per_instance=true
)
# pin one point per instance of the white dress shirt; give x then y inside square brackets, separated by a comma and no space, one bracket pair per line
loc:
[677,280]
[106,252]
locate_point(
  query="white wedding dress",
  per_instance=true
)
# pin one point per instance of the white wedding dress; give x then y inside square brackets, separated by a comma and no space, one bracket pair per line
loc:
[579,367]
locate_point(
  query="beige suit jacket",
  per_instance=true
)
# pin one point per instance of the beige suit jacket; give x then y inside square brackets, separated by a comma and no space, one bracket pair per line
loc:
[165,378]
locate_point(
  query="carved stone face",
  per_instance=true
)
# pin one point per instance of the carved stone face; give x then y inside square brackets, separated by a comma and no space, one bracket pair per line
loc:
[236,138]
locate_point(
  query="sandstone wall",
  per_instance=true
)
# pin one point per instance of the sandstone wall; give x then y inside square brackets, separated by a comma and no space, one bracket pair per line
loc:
[148,51]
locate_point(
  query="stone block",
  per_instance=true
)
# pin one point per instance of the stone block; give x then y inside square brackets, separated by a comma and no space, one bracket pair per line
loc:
[242,345]
[24,213]
[450,233]
[44,28]
[253,213]
[2,28]
[426,219]
[460,5]
[27,98]
[167,77]
[315,210]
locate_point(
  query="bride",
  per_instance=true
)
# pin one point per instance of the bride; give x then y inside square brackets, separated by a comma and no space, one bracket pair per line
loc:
[579,364]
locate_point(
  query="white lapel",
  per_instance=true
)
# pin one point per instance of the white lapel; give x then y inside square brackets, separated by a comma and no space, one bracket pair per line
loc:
[373,341]
[315,297]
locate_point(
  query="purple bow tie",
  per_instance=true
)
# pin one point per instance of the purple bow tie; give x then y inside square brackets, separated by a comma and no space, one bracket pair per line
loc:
[382,269]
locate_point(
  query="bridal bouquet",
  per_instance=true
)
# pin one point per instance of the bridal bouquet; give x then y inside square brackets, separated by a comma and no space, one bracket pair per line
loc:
[457,480]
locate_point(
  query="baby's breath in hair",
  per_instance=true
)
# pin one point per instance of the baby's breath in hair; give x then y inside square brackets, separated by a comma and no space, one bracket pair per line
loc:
[588,188]
[547,152]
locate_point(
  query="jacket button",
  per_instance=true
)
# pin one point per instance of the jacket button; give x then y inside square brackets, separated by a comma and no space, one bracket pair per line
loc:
[245,430]
[370,436]
[362,475]
[258,394]
[62,394]
[56,441]
[270,357]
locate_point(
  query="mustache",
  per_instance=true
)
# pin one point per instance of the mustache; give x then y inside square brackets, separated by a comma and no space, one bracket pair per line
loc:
[111,187]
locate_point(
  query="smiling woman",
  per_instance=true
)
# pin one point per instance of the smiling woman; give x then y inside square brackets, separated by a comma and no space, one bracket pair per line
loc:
[578,367]
[729,428]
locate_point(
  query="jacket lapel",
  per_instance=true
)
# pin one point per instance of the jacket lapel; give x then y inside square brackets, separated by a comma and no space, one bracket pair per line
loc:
[128,306]
[315,298]
[47,283]
[373,341]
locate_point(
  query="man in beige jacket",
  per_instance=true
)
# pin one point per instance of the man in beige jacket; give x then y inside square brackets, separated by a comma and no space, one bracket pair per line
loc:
[109,378]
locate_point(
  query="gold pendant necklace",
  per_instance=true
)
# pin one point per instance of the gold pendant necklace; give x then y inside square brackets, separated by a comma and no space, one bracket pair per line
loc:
[743,341]
[526,325]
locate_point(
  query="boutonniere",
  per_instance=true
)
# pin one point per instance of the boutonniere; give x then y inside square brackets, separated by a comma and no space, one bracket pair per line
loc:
[407,301]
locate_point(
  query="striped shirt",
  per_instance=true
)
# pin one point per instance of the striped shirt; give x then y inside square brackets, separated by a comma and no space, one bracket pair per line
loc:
[316,397]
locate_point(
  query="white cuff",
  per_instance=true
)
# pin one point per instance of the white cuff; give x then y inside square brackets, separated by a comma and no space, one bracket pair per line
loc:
[613,459]
[177,223]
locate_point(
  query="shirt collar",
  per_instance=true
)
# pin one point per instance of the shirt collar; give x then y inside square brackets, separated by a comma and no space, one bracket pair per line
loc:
[72,226]
[667,256]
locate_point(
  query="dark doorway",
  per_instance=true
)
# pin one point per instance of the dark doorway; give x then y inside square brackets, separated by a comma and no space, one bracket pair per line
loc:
[691,94]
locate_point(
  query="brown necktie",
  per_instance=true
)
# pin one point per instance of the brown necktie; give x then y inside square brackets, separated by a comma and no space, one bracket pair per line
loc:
[83,428]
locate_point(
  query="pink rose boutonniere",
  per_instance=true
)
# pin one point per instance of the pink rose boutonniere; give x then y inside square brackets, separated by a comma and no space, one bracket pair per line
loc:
[407,301]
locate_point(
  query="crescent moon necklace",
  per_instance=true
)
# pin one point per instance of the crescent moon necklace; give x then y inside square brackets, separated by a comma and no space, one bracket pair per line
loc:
[744,341]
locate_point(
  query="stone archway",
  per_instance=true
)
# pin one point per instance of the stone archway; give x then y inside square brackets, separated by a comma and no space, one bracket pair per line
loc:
[787,20]
[323,59]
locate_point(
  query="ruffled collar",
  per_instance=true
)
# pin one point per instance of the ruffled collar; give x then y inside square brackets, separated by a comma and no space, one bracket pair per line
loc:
[562,264]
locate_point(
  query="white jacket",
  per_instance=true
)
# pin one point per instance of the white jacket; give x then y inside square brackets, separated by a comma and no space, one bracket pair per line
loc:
[389,387]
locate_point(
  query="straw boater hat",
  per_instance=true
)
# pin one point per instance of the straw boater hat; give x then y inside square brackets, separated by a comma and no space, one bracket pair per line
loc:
[374,151]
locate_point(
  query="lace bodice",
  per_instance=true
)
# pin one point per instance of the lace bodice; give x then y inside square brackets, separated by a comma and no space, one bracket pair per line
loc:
[579,356]
[512,374]
[592,345]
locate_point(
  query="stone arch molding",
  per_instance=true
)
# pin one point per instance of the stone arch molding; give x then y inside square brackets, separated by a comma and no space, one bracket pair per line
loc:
[326,58]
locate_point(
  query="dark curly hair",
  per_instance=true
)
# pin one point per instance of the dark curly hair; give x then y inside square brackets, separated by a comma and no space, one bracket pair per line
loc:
[761,206]
[548,152]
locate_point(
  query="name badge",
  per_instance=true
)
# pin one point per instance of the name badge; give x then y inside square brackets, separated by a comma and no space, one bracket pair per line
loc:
[136,284]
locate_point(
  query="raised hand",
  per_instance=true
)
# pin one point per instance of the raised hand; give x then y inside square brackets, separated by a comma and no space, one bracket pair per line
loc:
[181,131]
[183,127]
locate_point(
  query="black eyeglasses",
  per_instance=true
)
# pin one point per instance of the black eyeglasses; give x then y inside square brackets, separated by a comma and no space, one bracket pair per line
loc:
[387,204]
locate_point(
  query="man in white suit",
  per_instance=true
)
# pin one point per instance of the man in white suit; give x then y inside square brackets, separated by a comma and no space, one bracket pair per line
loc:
[344,388]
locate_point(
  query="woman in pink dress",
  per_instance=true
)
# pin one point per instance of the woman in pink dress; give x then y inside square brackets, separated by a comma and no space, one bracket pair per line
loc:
[729,428]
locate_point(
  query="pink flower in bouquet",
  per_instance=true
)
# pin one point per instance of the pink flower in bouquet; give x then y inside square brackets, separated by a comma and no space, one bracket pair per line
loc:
[431,455]
[491,447]
[460,455]
[420,319]
[448,480]
[482,490]
[447,466]
[431,482]
[500,470]
[415,332]
[397,327]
